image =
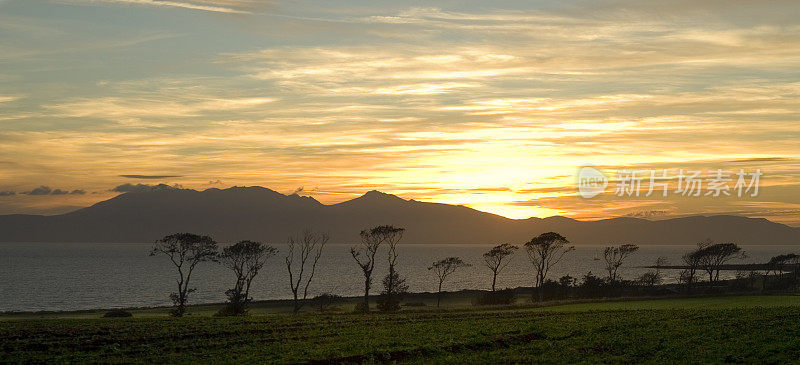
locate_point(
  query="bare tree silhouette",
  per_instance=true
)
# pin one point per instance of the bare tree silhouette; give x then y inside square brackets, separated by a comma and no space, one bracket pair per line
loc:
[713,255]
[495,259]
[785,262]
[364,254]
[300,248]
[544,251]
[185,250]
[691,262]
[443,268]
[614,257]
[393,284]
[245,259]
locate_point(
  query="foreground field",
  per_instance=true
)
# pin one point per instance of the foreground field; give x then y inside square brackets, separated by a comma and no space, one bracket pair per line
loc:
[739,329]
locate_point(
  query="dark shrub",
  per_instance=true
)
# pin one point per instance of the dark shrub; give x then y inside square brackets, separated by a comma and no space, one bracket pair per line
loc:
[650,279]
[324,302]
[499,297]
[784,282]
[592,286]
[118,313]
[550,290]
[388,304]
[394,287]
[360,308]
[414,304]
[236,304]
[567,281]
[228,311]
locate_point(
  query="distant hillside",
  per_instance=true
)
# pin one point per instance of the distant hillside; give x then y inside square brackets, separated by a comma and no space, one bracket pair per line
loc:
[263,214]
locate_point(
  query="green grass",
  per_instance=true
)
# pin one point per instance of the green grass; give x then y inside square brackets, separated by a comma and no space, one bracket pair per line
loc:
[685,303]
[740,329]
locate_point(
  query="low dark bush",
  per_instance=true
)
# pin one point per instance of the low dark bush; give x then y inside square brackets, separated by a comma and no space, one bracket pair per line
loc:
[359,308]
[780,283]
[325,302]
[118,313]
[388,304]
[229,311]
[500,297]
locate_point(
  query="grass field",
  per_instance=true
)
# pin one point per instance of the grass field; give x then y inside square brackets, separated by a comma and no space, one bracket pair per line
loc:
[739,329]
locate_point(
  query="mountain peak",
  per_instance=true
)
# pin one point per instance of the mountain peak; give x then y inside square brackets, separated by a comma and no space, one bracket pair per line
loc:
[303,198]
[260,189]
[375,195]
[373,198]
[560,218]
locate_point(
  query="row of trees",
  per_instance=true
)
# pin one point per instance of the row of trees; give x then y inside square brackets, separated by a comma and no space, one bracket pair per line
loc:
[394,285]
[709,257]
[543,252]
[245,259]
[304,250]
[547,250]
[365,256]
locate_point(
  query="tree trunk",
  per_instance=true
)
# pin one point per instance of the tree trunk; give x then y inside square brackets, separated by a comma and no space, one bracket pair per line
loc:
[539,282]
[494,280]
[390,289]
[439,295]
[296,307]
[366,294]
[181,301]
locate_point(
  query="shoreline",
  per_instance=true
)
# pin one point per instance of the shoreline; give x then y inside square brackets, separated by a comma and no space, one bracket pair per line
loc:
[412,302]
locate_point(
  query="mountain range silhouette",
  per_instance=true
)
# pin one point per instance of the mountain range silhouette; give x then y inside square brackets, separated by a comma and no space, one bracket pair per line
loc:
[258,213]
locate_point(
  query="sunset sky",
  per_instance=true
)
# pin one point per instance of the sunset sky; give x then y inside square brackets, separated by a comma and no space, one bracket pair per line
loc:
[492,106]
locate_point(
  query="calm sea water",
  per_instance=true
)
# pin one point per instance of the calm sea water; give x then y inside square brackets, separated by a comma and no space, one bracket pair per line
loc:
[73,276]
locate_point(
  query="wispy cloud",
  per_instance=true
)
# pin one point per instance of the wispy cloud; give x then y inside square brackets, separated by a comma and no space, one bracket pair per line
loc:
[128,108]
[149,177]
[46,190]
[8,98]
[218,6]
